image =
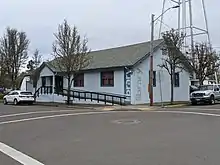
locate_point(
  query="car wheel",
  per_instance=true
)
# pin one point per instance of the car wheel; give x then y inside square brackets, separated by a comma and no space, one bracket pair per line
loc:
[5,102]
[15,102]
[194,103]
[212,100]
[31,103]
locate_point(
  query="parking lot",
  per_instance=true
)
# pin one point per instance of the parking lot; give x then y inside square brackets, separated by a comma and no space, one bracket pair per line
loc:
[43,135]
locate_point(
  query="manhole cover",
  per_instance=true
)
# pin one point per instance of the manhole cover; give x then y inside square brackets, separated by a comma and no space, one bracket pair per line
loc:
[126,121]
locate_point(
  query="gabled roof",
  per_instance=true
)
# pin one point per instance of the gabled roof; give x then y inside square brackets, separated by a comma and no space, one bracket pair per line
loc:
[125,56]
[116,57]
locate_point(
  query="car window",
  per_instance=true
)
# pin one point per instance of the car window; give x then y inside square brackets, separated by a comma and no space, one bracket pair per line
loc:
[10,93]
[216,88]
[26,93]
[206,87]
[14,93]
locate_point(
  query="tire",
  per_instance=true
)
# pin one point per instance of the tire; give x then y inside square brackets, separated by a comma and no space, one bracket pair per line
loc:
[194,103]
[5,102]
[31,103]
[212,100]
[15,102]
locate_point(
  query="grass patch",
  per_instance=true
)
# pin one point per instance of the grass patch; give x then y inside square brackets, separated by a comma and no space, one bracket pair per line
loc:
[1,96]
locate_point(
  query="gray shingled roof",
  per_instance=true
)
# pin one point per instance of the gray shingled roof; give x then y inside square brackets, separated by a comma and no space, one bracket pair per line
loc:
[116,57]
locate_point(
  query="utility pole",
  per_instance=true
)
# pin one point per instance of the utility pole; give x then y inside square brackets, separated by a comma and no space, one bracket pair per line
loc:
[151,52]
[179,17]
[191,34]
[151,60]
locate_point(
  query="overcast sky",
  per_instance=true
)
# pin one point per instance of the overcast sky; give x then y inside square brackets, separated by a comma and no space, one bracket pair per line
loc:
[107,23]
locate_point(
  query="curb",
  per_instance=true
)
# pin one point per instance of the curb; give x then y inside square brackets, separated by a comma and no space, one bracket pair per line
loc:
[146,109]
[67,106]
[100,108]
[127,109]
[175,106]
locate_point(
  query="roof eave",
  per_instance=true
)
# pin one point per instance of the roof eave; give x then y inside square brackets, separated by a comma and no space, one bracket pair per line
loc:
[148,54]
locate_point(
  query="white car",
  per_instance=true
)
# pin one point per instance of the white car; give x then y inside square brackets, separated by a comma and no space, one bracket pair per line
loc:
[18,96]
[206,93]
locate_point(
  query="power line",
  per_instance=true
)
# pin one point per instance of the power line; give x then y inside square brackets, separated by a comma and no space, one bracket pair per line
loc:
[164,24]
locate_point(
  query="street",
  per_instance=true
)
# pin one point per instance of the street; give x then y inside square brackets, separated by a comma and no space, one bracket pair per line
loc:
[40,135]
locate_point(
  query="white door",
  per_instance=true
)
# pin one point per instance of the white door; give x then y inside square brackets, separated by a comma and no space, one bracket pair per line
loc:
[13,96]
[9,97]
[217,91]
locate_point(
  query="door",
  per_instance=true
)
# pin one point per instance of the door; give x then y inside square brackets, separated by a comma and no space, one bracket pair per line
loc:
[43,79]
[217,91]
[59,83]
[9,97]
[14,95]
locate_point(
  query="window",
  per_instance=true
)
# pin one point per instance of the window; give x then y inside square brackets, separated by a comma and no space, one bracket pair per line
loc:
[14,93]
[107,78]
[79,80]
[43,81]
[206,87]
[154,79]
[176,80]
[216,88]
[26,93]
[51,80]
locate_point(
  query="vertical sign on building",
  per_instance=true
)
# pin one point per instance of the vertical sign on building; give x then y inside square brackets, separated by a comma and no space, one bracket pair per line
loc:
[128,85]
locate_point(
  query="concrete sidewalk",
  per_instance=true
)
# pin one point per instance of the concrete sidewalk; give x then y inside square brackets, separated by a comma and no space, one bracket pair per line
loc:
[102,107]
[129,108]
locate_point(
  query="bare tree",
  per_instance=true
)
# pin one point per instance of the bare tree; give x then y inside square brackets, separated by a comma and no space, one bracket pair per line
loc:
[4,76]
[70,52]
[13,49]
[2,71]
[37,59]
[32,67]
[172,61]
[206,62]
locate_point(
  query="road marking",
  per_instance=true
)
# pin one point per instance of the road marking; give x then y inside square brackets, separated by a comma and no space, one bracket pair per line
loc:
[199,109]
[126,121]
[18,156]
[104,112]
[192,113]
[37,112]
[54,116]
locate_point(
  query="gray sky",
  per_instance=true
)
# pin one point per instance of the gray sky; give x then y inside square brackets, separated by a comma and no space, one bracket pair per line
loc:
[107,23]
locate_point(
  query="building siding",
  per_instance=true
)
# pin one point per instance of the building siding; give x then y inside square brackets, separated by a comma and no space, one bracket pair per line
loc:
[140,81]
[136,85]
[46,72]
[92,82]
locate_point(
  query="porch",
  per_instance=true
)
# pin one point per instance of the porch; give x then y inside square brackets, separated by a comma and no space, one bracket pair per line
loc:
[51,83]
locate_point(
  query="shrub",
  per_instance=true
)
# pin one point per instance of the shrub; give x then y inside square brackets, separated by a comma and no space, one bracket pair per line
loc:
[1,96]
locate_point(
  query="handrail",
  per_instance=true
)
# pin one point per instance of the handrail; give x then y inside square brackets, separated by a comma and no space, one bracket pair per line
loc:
[43,90]
[81,94]
[100,93]
[77,94]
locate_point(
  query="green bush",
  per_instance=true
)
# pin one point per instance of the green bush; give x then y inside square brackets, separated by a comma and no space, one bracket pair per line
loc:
[1,96]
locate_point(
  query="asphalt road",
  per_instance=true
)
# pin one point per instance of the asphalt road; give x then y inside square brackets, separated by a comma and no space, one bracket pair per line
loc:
[55,136]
